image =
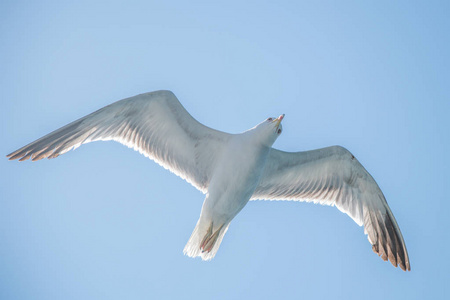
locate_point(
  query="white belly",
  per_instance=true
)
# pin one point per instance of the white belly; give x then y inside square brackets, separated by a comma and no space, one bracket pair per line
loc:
[234,181]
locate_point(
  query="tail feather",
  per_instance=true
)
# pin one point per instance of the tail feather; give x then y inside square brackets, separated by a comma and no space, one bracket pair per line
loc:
[205,240]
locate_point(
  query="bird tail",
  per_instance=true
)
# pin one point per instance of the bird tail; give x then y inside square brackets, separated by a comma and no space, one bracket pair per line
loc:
[205,240]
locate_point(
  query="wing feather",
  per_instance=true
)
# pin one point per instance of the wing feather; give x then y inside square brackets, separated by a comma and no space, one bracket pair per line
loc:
[155,124]
[333,176]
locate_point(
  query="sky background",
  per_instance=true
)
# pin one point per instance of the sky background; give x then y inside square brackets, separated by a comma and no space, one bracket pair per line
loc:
[104,222]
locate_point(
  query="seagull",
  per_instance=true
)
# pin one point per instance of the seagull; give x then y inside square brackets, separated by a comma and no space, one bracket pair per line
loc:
[232,169]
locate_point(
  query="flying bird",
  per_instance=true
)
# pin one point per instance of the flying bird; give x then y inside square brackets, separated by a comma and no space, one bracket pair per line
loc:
[232,169]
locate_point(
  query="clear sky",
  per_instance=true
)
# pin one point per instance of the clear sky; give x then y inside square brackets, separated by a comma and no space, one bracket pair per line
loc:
[104,222]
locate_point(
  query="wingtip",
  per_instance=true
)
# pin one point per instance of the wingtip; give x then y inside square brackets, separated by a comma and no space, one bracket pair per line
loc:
[406,268]
[14,155]
[404,265]
[26,157]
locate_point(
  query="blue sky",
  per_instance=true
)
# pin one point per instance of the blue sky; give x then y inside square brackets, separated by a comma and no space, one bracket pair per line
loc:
[104,222]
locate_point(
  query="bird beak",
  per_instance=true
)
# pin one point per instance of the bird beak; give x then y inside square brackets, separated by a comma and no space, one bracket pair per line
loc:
[279,119]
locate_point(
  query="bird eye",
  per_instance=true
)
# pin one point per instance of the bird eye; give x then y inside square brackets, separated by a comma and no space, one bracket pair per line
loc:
[279,131]
[269,119]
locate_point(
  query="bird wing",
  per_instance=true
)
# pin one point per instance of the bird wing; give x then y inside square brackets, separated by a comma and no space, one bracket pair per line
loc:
[155,124]
[333,176]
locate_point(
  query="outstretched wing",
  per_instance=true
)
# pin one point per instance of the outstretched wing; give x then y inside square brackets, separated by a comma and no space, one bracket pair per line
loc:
[155,124]
[333,176]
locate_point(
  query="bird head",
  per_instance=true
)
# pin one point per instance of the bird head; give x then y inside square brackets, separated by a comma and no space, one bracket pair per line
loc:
[269,130]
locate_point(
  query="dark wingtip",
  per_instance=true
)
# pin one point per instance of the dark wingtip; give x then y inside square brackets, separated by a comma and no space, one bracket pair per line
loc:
[14,155]
[25,157]
[390,246]
[401,256]
[406,268]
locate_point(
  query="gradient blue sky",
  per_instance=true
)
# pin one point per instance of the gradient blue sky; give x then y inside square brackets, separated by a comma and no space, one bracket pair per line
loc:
[104,222]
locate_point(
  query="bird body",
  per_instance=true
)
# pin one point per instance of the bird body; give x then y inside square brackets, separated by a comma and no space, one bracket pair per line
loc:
[235,178]
[232,169]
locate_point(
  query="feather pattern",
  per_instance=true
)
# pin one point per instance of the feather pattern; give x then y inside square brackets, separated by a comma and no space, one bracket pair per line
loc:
[333,176]
[155,124]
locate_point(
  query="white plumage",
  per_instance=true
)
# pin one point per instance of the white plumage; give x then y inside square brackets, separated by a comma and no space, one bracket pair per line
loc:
[232,169]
